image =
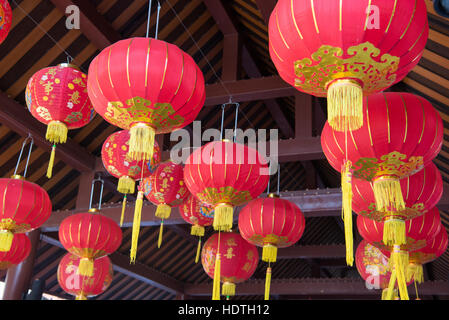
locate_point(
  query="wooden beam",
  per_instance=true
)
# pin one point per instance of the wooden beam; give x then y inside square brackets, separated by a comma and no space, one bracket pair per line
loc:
[333,251]
[231,57]
[266,7]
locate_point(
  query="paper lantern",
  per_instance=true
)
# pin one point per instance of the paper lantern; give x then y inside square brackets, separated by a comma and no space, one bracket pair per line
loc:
[401,134]
[223,175]
[5,19]
[84,287]
[20,249]
[228,258]
[25,207]
[57,96]
[346,49]
[199,216]
[421,192]
[89,236]
[147,86]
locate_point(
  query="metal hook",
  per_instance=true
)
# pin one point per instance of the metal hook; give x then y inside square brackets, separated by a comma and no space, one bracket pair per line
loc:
[98,179]
[29,137]
[157,19]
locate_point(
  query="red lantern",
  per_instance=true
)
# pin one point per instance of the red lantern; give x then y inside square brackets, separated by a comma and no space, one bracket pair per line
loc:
[5,19]
[84,287]
[25,207]
[57,96]
[228,258]
[147,86]
[114,155]
[421,192]
[401,134]
[346,49]
[20,249]
[89,236]
[223,174]
[199,216]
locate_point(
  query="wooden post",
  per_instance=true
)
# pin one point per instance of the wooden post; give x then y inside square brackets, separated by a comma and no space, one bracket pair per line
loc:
[18,278]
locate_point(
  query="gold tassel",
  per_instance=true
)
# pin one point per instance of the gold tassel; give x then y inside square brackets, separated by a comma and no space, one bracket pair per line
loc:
[163,211]
[6,238]
[394,232]
[345,105]
[141,142]
[216,288]
[126,185]
[389,292]
[197,230]
[81,296]
[86,267]
[51,162]
[56,132]
[400,262]
[122,217]
[223,217]
[269,253]
[388,195]
[415,272]
[346,188]
[161,232]
[198,251]
[228,289]
[267,284]
[136,226]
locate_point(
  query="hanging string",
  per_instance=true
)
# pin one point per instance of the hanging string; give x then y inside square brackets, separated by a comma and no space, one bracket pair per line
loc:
[279,179]
[269,180]
[237,106]
[157,19]
[223,106]
[92,192]
[29,137]
[148,19]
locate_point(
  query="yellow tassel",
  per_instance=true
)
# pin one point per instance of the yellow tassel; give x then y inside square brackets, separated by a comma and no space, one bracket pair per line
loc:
[126,185]
[269,253]
[161,232]
[81,296]
[86,267]
[56,132]
[394,232]
[346,188]
[400,263]
[6,238]
[141,142]
[388,195]
[122,217]
[51,162]
[163,211]
[216,288]
[198,251]
[415,272]
[388,294]
[345,105]
[197,230]
[136,226]
[223,217]
[267,284]
[228,289]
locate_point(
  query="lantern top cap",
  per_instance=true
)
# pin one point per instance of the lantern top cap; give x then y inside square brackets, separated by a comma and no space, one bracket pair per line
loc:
[18,177]
[94,210]
[69,65]
[273,195]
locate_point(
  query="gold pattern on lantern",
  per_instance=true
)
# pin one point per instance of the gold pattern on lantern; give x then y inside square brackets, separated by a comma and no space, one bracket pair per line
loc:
[213,196]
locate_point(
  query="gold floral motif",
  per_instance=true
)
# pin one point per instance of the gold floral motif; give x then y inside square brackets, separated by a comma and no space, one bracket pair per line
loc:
[134,171]
[44,113]
[113,170]
[160,116]
[392,164]
[273,239]
[214,196]
[229,253]
[408,213]
[73,117]
[80,82]
[327,64]
[74,97]
[412,245]
[10,225]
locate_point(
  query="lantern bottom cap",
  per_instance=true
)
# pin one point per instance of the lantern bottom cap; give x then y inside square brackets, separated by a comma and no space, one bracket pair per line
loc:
[269,253]
[228,289]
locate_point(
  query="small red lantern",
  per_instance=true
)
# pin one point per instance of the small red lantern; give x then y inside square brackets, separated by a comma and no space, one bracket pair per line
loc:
[346,49]
[20,249]
[223,174]
[147,86]
[84,287]
[25,207]
[228,258]
[89,236]
[5,19]
[199,216]
[57,96]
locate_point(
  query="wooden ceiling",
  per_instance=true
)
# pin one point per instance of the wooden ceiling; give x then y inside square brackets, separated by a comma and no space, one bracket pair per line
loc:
[208,30]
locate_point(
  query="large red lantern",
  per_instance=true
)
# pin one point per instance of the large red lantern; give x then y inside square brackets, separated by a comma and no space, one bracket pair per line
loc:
[228,258]
[421,192]
[5,19]
[84,287]
[346,49]
[223,174]
[20,249]
[400,135]
[89,236]
[116,161]
[25,207]
[199,216]
[57,96]
[147,86]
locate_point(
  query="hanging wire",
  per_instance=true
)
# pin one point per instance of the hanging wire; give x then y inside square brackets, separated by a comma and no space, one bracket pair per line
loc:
[237,106]
[149,18]
[29,137]
[157,19]
[279,179]
[269,179]
[92,192]
[223,106]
